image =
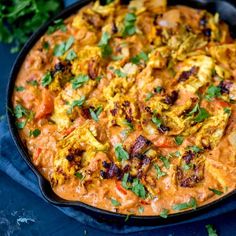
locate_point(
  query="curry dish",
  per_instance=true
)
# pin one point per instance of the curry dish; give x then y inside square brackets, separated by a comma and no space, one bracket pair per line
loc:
[131,108]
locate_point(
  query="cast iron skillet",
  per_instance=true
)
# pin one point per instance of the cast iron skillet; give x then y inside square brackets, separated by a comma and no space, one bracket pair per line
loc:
[227,10]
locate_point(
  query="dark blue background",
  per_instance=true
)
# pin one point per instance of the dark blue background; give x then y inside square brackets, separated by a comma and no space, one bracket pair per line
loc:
[18,204]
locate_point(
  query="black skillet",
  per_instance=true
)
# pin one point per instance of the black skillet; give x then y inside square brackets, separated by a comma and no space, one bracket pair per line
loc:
[227,10]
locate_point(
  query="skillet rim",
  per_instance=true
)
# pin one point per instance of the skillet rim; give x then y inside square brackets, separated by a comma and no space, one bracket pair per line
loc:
[44,184]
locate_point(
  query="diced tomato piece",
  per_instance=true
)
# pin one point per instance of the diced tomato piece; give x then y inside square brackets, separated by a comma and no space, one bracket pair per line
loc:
[46,106]
[120,188]
[145,202]
[37,153]
[221,103]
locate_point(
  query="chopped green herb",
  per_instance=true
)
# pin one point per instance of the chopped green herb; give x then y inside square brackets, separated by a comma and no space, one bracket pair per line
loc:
[46,45]
[58,25]
[78,103]
[149,96]
[129,124]
[187,166]
[179,140]
[164,213]
[212,92]
[117,58]
[119,73]
[165,162]
[71,55]
[156,121]
[142,56]
[21,124]
[194,110]
[202,115]
[195,149]
[35,133]
[120,153]
[158,89]
[95,113]
[210,230]
[79,175]
[60,49]
[20,18]
[192,203]
[159,172]
[47,79]
[79,81]
[227,110]
[109,1]
[127,218]
[98,78]
[115,202]
[19,88]
[141,209]
[129,25]
[138,188]
[104,45]
[215,191]
[125,180]
[20,111]
[33,82]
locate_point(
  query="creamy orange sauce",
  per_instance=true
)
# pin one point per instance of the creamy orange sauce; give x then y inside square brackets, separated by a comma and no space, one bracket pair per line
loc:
[137,113]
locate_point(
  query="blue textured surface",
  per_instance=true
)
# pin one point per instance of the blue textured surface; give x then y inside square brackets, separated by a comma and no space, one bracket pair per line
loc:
[19,204]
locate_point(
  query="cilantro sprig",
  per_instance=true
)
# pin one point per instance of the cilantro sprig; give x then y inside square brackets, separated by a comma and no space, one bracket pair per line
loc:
[201,113]
[19,19]
[120,153]
[60,49]
[192,203]
[104,45]
[79,81]
[142,56]
[95,113]
[213,92]
[129,25]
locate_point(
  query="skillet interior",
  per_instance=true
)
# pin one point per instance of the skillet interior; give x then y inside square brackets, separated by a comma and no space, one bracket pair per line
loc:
[227,10]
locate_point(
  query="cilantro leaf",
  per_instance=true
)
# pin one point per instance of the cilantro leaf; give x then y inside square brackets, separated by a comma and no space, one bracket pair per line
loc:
[75,103]
[156,121]
[114,202]
[159,172]
[202,115]
[33,82]
[104,45]
[19,88]
[20,111]
[149,96]
[120,153]
[227,110]
[79,81]
[179,140]
[141,209]
[192,203]
[212,92]
[35,133]
[158,89]
[210,230]
[58,25]
[60,49]
[119,73]
[71,55]
[79,175]
[164,213]
[47,79]
[165,162]
[21,124]
[129,25]
[138,188]
[142,56]
[95,113]
[125,180]
[215,191]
